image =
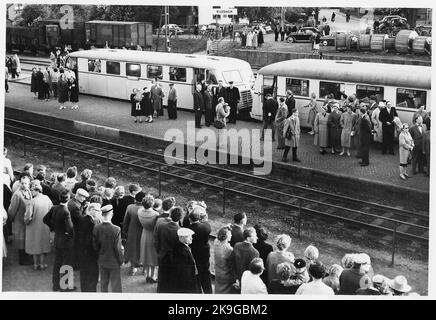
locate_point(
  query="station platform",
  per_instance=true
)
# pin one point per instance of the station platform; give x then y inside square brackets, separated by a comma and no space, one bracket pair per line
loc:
[113,116]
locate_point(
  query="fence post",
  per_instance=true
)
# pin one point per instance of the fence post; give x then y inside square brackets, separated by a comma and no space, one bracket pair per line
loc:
[24,144]
[394,242]
[224,197]
[160,185]
[299,219]
[63,154]
[107,163]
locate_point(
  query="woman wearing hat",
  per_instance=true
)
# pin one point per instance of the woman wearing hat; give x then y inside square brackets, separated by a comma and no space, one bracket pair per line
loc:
[146,106]
[399,286]
[406,145]
[320,128]
[135,100]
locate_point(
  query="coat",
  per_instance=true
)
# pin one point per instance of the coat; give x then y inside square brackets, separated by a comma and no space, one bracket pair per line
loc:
[224,267]
[377,125]
[146,106]
[237,235]
[84,237]
[417,136]
[132,228]
[19,203]
[58,219]
[219,92]
[148,254]
[200,242]
[290,102]
[335,129]
[346,122]
[157,95]
[107,242]
[294,125]
[208,100]
[365,134]
[243,253]
[120,208]
[74,90]
[406,144]
[184,275]
[273,260]
[270,110]
[34,86]
[136,110]
[320,128]
[233,96]
[37,233]
[198,101]
[349,281]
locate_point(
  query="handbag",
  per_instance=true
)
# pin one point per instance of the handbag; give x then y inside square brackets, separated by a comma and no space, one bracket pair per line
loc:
[218,124]
[288,134]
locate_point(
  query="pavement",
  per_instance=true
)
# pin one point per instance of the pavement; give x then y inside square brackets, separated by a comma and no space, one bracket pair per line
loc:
[116,114]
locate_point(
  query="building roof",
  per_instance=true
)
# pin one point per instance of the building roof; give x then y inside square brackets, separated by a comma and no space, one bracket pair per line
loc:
[408,76]
[163,58]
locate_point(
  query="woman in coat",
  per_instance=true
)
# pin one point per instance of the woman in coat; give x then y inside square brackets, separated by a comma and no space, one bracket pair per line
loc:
[281,255]
[406,145]
[225,275]
[281,115]
[135,100]
[148,256]
[34,83]
[292,138]
[347,121]
[37,232]
[133,230]
[74,92]
[40,83]
[321,130]
[146,106]
[334,128]
[62,89]
[19,203]
[313,111]
[260,38]
[222,112]
[377,124]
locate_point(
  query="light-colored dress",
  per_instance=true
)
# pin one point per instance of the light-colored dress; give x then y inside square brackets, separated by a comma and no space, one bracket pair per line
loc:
[347,126]
[294,124]
[147,218]
[377,125]
[224,268]
[255,39]
[37,232]
[249,42]
[281,115]
[406,144]
[320,127]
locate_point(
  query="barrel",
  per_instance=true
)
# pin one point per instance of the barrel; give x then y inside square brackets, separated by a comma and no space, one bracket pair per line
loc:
[418,45]
[364,41]
[352,42]
[378,42]
[341,42]
[390,43]
[404,39]
[427,46]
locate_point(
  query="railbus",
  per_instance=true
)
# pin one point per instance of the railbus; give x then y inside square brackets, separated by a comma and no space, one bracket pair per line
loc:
[115,73]
[406,86]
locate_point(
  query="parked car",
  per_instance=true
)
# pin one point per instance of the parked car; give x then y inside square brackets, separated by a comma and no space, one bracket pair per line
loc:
[172,29]
[302,35]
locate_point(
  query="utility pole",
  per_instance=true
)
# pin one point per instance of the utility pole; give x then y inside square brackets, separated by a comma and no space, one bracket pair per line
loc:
[167,18]
[158,30]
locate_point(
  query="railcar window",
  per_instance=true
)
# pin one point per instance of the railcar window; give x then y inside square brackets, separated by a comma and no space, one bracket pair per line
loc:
[232,75]
[133,70]
[154,72]
[410,98]
[177,74]
[72,63]
[298,87]
[112,67]
[210,77]
[94,65]
[334,88]
[363,91]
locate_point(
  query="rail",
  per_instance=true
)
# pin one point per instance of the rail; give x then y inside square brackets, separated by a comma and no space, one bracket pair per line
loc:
[297,202]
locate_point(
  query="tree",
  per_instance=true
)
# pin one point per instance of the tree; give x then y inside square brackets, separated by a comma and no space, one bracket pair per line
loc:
[32,12]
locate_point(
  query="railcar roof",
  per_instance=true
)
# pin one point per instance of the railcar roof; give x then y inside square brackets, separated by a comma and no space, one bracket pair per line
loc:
[408,76]
[150,57]
[114,22]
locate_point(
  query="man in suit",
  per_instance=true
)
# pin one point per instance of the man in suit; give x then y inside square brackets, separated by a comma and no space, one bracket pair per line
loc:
[417,131]
[290,101]
[59,220]
[244,252]
[200,247]
[124,202]
[270,108]
[233,98]
[167,204]
[276,32]
[219,92]
[208,106]
[41,173]
[386,117]
[198,105]
[157,95]
[184,269]
[107,243]
[76,207]
[172,102]
[365,137]
[165,240]
[58,188]
[239,221]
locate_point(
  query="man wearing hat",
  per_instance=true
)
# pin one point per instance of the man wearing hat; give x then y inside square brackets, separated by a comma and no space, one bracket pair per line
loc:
[172,102]
[76,207]
[107,243]
[365,133]
[198,105]
[185,272]
[270,108]
[233,98]
[350,279]
[399,286]
[386,117]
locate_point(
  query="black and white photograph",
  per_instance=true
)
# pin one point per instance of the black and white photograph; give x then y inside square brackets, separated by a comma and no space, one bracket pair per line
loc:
[221,150]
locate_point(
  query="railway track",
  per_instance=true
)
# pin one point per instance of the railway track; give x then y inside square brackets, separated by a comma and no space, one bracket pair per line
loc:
[374,220]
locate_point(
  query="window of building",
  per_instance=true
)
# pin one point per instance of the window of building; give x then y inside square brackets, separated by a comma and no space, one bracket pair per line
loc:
[133,70]
[177,74]
[298,87]
[410,98]
[112,67]
[363,91]
[334,88]
[94,65]
[154,72]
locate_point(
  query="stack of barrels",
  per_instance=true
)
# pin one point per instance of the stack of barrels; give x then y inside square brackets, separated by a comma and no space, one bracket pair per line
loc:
[406,41]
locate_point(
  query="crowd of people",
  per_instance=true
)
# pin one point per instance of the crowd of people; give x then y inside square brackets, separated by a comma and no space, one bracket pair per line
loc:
[252,38]
[12,68]
[340,125]
[98,228]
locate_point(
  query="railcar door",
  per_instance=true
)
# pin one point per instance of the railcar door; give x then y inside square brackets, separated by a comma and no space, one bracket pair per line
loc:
[115,77]
[134,72]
